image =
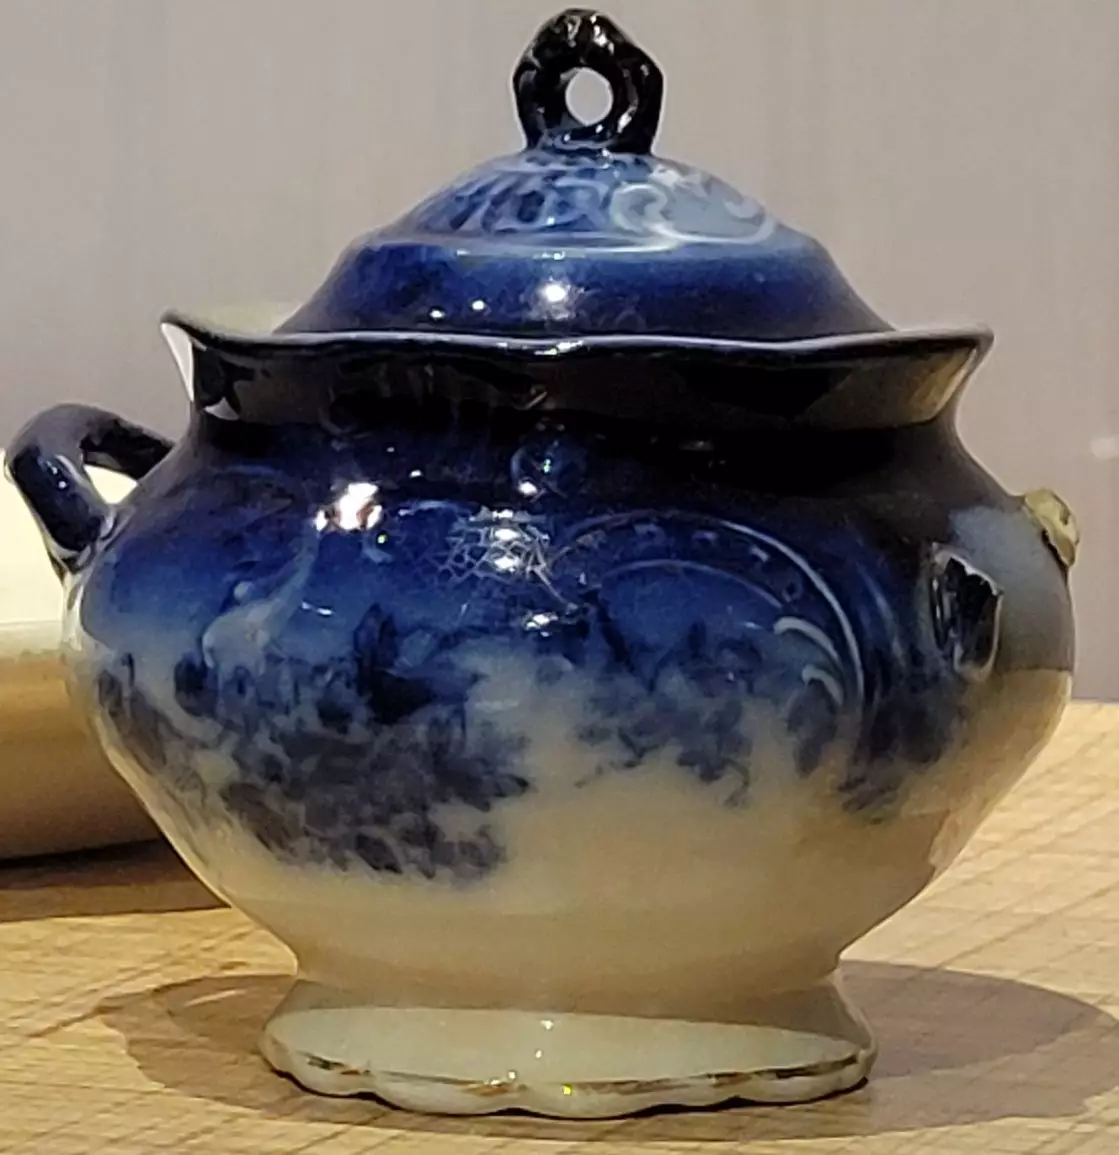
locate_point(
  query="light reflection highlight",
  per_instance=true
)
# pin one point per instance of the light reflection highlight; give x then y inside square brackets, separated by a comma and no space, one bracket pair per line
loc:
[356,509]
[555,299]
[555,292]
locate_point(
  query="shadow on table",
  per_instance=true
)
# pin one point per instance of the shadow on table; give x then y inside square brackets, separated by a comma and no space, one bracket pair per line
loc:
[144,878]
[956,1048]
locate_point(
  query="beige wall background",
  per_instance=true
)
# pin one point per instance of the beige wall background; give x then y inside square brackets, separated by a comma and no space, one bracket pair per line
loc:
[960,157]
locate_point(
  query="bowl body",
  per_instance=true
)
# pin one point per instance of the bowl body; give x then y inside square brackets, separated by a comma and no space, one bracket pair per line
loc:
[519,717]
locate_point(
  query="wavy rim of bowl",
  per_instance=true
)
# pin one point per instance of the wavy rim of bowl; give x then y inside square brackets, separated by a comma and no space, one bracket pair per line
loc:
[209,330]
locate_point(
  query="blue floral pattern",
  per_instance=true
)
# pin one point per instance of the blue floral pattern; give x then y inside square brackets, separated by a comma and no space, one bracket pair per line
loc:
[592,199]
[369,671]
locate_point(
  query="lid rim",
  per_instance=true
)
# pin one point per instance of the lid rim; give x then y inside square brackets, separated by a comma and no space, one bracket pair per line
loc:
[209,335]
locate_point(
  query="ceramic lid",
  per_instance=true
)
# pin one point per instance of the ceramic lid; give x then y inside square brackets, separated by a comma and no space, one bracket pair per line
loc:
[586,233]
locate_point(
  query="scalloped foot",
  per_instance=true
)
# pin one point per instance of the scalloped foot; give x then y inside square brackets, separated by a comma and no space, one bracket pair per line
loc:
[575,1066]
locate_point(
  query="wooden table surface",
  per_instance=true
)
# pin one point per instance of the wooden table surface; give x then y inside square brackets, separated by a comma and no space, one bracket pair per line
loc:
[130,1002]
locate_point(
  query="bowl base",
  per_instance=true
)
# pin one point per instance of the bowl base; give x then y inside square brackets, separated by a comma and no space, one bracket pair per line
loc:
[566,1065]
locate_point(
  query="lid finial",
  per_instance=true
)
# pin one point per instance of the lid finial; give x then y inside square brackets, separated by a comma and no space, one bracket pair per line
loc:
[578,39]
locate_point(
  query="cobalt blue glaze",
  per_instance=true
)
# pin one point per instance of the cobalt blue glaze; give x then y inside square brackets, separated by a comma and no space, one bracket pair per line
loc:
[544,243]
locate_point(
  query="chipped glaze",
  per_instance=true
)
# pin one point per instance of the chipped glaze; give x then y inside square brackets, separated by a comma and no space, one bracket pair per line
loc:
[613,669]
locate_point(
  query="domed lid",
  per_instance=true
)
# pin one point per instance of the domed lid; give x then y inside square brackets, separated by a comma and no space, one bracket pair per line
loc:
[586,233]
[582,275]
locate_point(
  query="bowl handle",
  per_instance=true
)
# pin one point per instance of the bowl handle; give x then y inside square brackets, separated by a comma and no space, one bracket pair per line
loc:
[47,461]
[1057,524]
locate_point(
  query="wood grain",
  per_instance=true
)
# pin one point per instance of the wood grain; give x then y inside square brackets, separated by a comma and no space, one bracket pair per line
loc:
[130,1003]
